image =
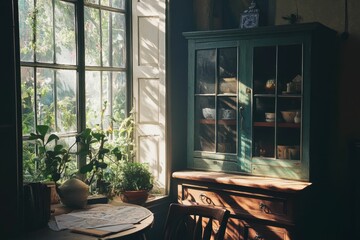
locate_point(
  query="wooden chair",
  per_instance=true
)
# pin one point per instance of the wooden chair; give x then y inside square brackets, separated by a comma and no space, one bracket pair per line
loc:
[195,222]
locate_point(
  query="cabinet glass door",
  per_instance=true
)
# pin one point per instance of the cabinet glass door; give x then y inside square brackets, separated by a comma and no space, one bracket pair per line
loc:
[277,102]
[216,100]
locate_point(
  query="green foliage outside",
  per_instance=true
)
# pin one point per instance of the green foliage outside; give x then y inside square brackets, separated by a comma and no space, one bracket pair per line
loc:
[49,96]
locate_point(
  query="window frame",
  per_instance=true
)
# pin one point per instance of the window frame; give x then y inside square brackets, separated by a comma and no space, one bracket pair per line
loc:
[80,66]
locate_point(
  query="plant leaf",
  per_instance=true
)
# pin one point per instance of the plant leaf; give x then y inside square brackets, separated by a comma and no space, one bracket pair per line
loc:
[52,137]
[58,148]
[87,168]
[42,129]
[101,165]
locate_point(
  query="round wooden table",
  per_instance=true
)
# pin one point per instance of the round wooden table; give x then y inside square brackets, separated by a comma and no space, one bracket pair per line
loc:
[138,232]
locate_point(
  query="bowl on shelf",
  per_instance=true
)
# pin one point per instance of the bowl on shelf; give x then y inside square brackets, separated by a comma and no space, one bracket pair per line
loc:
[269,117]
[209,113]
[289,116]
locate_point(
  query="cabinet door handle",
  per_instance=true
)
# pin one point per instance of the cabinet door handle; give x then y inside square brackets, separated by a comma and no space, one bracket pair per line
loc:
[241,109]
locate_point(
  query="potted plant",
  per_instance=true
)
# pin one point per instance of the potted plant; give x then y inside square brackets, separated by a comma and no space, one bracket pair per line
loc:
[136,182]
[52,160]
[133,180]
[92,147]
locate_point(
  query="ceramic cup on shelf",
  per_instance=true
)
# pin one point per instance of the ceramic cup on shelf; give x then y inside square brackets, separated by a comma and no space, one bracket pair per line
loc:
[294,153]
[282,152]
[297,118]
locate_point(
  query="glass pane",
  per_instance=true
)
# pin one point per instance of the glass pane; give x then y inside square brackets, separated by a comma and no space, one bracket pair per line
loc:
[118,40]
[119,95]
[289,128]
[264,70]
[113,39]
[92,37]
[44,31]
[105,2]
[26,21]
[106,23]
[93,98]
[264,119]
[205,71]
[227,70]
[290,69]
[92,1]
[65,33]
[227,129]
[45,97]
[70,144]
[30,173]
[106,100]
[205,118]
[66,100]
[27,100]
[118,4]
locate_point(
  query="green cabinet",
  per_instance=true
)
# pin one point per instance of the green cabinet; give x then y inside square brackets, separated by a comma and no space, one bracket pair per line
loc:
[259,100]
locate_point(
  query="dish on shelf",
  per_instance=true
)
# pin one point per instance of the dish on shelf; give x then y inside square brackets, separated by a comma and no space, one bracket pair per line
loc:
[229,79]
[206,88]
[269,117]
[209,113]
[228,87]
[289,116]
[227,113]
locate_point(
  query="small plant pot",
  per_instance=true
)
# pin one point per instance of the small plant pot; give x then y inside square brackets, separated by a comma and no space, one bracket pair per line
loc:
[54,197]
[135,197]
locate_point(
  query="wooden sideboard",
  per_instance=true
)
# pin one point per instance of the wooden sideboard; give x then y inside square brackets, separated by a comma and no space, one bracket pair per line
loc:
[261,207]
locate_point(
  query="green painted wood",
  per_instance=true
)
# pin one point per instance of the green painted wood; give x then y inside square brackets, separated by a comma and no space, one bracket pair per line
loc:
[317,43]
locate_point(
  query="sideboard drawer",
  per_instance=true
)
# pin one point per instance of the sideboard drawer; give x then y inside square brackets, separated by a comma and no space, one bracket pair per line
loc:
[250,204]
[260,232]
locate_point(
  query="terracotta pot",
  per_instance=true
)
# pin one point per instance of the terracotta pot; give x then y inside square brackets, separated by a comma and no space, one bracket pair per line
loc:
[54,197]
[135,197]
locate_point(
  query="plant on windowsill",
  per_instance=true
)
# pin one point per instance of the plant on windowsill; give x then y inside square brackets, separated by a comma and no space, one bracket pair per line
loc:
[52,160]
[133,180]
[92,147]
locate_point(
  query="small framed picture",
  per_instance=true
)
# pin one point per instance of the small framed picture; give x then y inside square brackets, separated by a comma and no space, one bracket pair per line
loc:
[249,20]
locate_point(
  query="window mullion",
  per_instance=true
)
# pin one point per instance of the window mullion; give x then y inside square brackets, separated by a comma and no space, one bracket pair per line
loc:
[81,93]
[54,72]
[110,81]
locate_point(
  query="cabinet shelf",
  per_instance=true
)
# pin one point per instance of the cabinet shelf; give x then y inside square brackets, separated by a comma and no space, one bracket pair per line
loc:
[281,125]
[220,122]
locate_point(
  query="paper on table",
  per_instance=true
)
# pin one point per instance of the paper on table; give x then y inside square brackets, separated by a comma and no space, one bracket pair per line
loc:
[102,215]
[116,228]
[103,231]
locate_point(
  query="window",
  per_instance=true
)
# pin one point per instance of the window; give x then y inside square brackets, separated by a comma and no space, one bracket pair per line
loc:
[74,68]
[75,73]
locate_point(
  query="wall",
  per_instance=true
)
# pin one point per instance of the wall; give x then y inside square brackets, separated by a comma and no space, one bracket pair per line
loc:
[10,221]
[332,14]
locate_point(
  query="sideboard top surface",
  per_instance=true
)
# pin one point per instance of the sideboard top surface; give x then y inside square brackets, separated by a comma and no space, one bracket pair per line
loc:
[266,183]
